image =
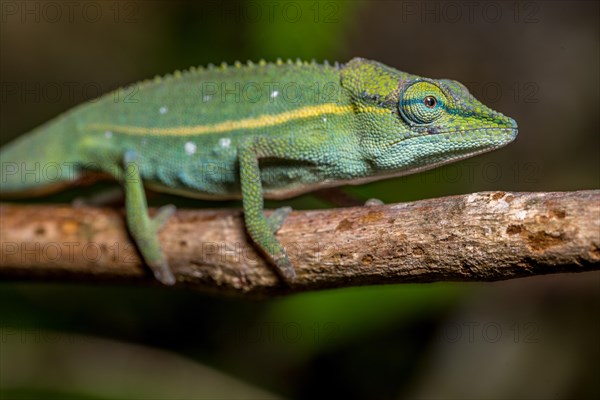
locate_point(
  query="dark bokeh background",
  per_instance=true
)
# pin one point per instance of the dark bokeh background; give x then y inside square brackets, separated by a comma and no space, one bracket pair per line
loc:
[536,61]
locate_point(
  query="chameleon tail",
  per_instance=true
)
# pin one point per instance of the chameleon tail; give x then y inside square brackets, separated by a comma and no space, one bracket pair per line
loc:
[40,162]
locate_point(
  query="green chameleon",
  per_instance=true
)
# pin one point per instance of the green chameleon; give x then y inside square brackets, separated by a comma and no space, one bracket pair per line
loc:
[255,131]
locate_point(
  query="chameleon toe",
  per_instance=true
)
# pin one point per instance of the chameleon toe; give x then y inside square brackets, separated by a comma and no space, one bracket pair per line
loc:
[277,218]
[162,272]
[163,215]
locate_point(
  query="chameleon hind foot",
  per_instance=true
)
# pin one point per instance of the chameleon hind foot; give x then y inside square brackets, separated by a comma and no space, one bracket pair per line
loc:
[162,271]
[149,246]
[144,229]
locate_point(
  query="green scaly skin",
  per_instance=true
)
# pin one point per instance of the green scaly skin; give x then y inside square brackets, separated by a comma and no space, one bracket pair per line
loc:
[253,132]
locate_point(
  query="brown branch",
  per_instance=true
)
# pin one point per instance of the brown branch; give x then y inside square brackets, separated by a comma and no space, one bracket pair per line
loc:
[476,237]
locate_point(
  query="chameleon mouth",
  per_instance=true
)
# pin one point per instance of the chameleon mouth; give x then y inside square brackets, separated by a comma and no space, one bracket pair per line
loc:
[501,136]
[489,129]
[460,134]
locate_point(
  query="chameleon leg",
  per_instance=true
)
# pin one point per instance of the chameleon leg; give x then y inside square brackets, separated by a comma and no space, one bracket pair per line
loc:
[143,229]
[259,228]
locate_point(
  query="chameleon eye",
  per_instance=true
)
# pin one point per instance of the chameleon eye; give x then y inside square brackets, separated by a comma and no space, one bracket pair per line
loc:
[422,103]
[430,101]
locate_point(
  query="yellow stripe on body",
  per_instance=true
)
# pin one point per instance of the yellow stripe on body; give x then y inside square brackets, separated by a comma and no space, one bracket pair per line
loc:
[248,123]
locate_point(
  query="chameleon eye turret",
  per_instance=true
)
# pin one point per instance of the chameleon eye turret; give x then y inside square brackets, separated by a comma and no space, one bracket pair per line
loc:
[422,103]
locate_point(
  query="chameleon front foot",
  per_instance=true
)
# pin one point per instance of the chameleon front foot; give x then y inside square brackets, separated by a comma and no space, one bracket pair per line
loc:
[285,267]
[260,228]
[265,240]
[281,260]
[262,231]
[277,218]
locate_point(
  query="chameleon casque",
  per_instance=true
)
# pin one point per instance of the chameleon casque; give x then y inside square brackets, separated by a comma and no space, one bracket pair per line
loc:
[254,131]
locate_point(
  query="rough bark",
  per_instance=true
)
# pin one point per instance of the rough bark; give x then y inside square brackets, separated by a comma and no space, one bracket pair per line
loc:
[476,237]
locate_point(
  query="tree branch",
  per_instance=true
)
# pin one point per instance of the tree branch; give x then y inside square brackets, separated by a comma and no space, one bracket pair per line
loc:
[477,237]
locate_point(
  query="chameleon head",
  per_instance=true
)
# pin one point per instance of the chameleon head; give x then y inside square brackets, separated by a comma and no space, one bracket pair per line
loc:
[421,123]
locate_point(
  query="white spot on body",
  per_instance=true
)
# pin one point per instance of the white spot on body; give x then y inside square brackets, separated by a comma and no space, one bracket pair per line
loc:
[274,93]
[163,110]
[108,134]
[224,142]
[324,119]
[206,98]
[190,148]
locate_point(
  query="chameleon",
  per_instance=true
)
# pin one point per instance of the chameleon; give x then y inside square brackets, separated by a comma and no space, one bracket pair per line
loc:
[253,131]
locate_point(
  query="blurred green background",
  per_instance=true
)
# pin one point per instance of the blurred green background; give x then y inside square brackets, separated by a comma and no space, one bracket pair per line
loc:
[536,61]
